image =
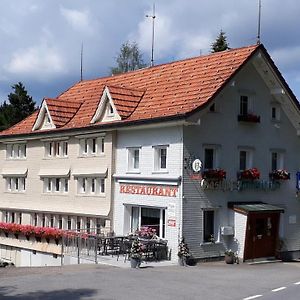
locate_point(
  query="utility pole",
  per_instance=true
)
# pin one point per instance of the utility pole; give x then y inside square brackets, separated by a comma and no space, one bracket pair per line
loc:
[259,17]
[152,49]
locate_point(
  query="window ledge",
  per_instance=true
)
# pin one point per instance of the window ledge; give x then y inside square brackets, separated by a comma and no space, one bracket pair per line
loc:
[160,172]
[133,172]
[15,192]
[51,194]
[15,159]
[90,196]
[210,243]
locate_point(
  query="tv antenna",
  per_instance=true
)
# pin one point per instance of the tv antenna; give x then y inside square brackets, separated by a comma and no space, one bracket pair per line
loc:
[259,18]
[81,61]
[152,48]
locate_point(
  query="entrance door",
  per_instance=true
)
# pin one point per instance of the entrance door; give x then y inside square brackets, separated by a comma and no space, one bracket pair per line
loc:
[261,235]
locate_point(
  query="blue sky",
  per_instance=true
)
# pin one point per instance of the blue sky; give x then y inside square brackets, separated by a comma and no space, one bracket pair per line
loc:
[40,41]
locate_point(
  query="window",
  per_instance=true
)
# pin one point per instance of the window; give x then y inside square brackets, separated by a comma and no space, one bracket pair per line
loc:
[275,112]
[244,105]
[212,108]
[88,225]
[51,221]
[69,223]
[148,217]
[91,185]
[15,184]
[245,159]
[160,158]
[60,222]
[208,225]
[56,149]
[277,162]
[208,158]
[56,185]
[110,111]
[91,146]
[16,151]
[133,159]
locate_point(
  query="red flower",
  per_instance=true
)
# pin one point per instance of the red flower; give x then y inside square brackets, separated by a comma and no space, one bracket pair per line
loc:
[250,174]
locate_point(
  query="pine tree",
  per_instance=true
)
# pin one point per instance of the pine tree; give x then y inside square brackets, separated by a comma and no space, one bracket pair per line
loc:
[221,43]
[129,59]
[19,107]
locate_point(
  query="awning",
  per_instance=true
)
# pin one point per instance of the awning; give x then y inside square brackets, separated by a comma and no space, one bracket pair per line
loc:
[99,172]
[17,172]
[61,172]
[257,208]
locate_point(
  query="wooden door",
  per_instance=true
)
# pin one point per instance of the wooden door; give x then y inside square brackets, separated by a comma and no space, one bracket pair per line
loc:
[261,235]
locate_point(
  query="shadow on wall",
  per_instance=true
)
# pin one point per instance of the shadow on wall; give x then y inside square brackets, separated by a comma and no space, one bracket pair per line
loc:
[9,294]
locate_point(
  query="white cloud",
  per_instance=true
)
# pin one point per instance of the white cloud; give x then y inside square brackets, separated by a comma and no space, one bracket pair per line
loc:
[287,58]
[41,61]
[79,20]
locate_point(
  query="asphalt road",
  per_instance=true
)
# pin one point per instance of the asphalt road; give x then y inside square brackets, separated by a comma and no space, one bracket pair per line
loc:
[204,281]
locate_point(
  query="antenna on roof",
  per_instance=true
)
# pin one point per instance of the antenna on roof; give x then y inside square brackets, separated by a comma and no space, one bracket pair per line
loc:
[152,49]
[259,17]
[81,59]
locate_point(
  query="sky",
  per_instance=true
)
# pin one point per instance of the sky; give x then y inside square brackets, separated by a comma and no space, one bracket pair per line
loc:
[40,40]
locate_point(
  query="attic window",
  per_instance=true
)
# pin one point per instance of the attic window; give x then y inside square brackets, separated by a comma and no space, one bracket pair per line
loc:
[110,110]
[212,108]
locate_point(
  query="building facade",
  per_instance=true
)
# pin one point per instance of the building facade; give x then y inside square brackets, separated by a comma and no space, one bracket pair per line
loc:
[204,148]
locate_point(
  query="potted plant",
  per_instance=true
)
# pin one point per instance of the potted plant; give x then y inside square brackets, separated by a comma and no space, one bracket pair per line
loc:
[183,253]
[279,175]
[249,174]
[136,253]
[214,174]
[229,256]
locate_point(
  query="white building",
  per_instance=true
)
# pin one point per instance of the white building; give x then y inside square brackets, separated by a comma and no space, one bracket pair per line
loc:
[117,153]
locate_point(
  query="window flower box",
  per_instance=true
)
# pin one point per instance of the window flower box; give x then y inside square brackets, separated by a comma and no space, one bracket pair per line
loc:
[214,174]
[279,175]
[249,174]
[251,118]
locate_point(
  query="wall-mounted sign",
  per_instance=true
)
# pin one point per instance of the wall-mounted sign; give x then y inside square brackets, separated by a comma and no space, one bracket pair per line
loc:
[231,185]
[171,210]
[172,222]
[149,190]
[298,181]
[196,165]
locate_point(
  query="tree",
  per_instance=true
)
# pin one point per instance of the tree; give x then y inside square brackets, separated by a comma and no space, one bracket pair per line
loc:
[129,59]
[221,43]
[20,106]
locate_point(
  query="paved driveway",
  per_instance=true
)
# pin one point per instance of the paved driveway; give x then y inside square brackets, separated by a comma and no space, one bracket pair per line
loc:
[205,281]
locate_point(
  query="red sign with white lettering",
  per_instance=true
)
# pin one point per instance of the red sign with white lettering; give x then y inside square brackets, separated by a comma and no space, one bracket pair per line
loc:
[149,190]
[171,222]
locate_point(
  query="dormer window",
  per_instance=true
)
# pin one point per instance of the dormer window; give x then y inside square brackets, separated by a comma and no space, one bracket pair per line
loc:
[110,110]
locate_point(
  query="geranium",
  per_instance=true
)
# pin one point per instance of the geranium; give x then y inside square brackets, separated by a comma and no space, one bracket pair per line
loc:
[279,175]
[251,174]
[218,174]
[146,232]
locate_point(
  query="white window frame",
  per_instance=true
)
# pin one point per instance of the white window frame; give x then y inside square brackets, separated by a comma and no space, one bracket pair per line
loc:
[15,184]
[93,146]
[56,149]
[249,157]
[277,109]
[50,187]
[131,159]
[216,155]
[250,102]
[16,151]
[280,159]
[158,159]
[91,186]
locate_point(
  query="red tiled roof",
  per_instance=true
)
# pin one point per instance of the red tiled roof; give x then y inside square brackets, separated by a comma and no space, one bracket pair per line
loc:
[172,89]
[126,100]
[62,111]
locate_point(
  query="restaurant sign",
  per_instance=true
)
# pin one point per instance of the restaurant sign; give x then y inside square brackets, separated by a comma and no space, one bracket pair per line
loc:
[149,190]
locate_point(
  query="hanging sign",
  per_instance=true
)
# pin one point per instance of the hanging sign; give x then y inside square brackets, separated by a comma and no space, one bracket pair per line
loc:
[196,165]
